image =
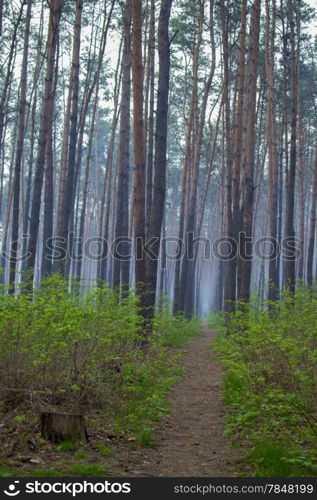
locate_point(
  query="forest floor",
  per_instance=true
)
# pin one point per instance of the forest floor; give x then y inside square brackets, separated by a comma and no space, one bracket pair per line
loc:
[191,442]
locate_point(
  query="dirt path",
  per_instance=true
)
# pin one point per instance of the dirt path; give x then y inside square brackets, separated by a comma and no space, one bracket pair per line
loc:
[192,442]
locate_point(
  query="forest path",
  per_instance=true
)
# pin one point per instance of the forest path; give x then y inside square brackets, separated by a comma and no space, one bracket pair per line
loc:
[192,441]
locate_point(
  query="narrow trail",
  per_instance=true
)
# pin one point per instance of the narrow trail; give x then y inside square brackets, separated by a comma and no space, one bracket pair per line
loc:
[192,441]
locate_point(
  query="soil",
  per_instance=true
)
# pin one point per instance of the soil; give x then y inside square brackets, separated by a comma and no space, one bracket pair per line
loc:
[192,442]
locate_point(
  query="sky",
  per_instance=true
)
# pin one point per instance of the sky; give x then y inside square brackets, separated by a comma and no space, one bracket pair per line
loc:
[313,3]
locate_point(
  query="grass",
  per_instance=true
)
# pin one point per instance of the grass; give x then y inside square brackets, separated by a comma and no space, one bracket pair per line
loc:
[104,450]
[80,454]
[45,472]
[146,438]
[87,470]
[5,472]
[67,446]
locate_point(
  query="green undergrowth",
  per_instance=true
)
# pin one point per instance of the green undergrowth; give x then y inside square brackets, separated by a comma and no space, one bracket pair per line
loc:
[270,385]
[81,354]
[216,321]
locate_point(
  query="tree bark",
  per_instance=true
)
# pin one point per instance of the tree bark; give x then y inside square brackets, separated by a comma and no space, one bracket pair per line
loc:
[121,265]
[248,181]
[69,186]
[19,152]
[271,133]
[180,272]
[46,119]
[139,156]
[157,207]
[58,427]
[312,225]
[150,121]
[290,195]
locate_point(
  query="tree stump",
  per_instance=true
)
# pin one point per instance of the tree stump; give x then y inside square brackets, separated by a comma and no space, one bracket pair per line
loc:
[58,427]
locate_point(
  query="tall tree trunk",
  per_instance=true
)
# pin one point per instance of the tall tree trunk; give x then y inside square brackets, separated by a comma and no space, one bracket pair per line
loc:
[109,189]
[248,181]
[32,140]
[231,274]
[290,195]
[121,263]
[109,182]
[157,208]
[1,16]
[180,273]
[230,279]
[81,231]
[46,119]
[9,202]
[150,122]
[312,225]
[19,153]
[139,155]
[69,186]
[271,133]
[301,164]
[46,266]
[188,269]
[301,194]
[162,286]
[6,84]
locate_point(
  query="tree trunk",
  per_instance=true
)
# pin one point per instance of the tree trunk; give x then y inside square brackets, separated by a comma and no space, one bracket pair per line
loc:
[45,123]
[58,427]
[312,225]
[157,208]
[290,195]
[139,155]
[32,139]
[180,271]
[231,274]
[109,182]
[248,182]
[189,266]
[271,133]
[150,137]
[121,264]
[46,267]
[69,186]
[81,231]
[19,152]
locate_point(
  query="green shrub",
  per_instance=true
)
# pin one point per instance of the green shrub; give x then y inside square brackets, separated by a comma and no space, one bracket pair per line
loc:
[174,331]
[77,352]
[270,384]
[63,348]
[216,321]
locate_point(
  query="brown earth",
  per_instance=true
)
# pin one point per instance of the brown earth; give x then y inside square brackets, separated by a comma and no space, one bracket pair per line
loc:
[192,441]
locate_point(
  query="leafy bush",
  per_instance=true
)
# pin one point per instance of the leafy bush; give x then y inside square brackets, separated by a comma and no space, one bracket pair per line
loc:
[67,352]
[61,349]
[217,321]
[270,384]
[174,331]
